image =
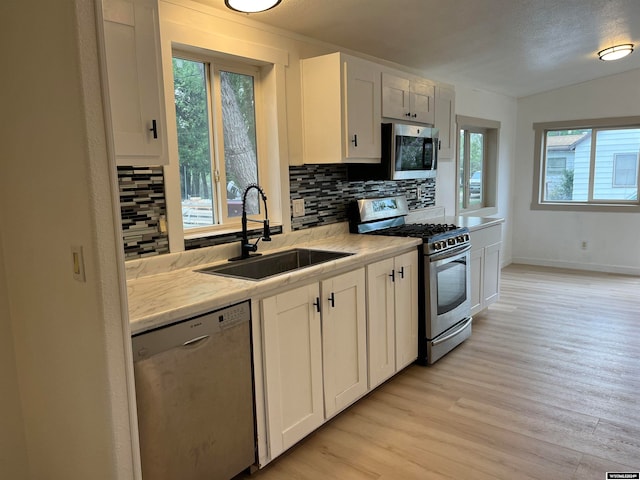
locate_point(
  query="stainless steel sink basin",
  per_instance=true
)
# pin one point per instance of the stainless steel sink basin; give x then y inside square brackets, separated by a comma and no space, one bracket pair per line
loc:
[258,268]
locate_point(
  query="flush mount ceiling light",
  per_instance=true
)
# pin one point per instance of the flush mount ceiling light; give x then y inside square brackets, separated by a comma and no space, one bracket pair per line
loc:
[614,53]
[251,6]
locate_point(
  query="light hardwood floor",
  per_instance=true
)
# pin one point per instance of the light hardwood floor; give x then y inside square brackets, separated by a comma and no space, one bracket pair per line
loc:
[547,387]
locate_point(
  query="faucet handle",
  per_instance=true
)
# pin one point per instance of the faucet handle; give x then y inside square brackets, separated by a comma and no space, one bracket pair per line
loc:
[266,234]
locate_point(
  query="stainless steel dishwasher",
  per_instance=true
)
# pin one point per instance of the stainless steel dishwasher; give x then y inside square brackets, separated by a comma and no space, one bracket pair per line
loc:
[194,391]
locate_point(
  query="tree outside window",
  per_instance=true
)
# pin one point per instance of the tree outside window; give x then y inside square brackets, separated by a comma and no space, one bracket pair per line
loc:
[215,106]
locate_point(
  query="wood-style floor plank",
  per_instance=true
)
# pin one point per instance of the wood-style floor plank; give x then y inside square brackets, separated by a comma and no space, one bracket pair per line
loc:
[546,387]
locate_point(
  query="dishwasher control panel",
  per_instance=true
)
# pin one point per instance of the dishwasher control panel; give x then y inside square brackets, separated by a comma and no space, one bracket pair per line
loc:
[189,332]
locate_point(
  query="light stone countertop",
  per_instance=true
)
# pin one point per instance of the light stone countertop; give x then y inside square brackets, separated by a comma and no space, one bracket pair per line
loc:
[475,223]
[437,215]
[167,290]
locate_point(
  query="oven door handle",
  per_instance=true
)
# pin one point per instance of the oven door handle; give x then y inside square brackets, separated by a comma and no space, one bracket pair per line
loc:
[453,334]
[449,253]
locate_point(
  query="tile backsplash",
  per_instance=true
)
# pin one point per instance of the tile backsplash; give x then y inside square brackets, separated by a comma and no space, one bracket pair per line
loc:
[142,204]
[327,192]
[324,188]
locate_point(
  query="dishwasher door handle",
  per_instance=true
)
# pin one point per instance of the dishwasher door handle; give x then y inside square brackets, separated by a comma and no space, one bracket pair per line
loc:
[193,341]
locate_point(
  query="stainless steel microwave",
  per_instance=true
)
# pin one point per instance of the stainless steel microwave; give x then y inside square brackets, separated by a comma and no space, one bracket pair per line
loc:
[412,151]
[407,151]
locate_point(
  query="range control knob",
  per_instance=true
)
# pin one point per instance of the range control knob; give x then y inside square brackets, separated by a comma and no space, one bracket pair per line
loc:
[452,241]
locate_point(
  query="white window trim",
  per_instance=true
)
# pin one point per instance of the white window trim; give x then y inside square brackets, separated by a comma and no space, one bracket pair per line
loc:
[540,130]
[490,169]
[272,62]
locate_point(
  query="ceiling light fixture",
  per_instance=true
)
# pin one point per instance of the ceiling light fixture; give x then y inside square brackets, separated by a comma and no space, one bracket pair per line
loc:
[251,6]
[614,53]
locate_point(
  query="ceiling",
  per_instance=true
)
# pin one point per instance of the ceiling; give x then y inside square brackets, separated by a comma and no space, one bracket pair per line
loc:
[512,47]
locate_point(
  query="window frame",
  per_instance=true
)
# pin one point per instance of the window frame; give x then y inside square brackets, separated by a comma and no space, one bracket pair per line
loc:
[213,65]
[465,162]
[491,129]
[539,163]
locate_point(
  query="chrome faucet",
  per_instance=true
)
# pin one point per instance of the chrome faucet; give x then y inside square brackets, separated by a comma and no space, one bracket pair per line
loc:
[246,247]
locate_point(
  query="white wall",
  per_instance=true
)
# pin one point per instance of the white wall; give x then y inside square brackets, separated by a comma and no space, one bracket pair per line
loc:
[13,448]
[554,238]
[488,106]
[55,192]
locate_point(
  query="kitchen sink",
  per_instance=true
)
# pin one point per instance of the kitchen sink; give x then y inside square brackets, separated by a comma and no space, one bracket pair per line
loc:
[258,268]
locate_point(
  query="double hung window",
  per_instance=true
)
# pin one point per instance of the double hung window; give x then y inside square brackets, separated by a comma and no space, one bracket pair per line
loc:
[218,142]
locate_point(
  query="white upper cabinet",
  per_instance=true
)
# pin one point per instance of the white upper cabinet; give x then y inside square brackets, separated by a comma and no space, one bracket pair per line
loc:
[340,110]
[445,121]
[134,73]
[408,98]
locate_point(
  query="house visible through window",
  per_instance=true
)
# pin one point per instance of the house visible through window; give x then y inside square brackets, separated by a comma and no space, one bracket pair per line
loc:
[217,140]
[590,165]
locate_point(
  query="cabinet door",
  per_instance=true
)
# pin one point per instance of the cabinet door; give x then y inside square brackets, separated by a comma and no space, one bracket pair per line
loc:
[340,110]
[132,47]
[445,121]
[395,97]
[476,280]
[344,340]
[406,308]
[362,110]
[422,101]
[491,274]
[292,366]
[381,322]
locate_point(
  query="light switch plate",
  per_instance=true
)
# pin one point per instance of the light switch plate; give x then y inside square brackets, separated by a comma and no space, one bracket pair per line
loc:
[78,263]
[298,207]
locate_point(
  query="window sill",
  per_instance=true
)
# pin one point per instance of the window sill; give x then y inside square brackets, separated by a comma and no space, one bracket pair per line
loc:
[587,207]
[220,237]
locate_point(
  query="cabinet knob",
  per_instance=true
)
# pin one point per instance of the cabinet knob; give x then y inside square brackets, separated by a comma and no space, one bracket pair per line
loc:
[317,304]
[332,299]
[355,140]
[393,275]
[401,272]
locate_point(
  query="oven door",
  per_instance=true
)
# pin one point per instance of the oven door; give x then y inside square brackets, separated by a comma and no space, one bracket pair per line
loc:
[448,287]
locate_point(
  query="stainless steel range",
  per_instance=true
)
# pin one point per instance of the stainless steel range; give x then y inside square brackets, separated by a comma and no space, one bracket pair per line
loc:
[445,285]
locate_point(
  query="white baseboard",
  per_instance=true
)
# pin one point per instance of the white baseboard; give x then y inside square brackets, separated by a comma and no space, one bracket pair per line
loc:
[591,267]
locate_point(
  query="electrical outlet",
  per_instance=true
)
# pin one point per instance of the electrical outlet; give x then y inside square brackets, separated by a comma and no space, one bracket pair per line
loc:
[298,207]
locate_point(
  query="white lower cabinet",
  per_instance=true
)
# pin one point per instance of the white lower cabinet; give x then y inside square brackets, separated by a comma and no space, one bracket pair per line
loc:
[318,348]
[392,319]
[344,340]
[312,360]
[486,244]
[292,352]
[406,312]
